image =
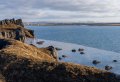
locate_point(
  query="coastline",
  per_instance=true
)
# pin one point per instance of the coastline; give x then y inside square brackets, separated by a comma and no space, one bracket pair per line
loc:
[106,57]
[31,63]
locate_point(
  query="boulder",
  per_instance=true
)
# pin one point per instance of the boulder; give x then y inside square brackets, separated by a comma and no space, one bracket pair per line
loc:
[73,50]
[53,51]
[96,62]
[108,67]
[114,60]
[80,49]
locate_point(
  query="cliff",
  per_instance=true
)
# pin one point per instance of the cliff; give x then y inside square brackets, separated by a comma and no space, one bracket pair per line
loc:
[11,28]
[20,62]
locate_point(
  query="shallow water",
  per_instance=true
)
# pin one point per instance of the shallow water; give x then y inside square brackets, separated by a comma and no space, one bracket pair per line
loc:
[102,37]
[106,57]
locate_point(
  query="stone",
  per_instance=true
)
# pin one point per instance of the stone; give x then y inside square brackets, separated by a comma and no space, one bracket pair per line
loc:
[58,49]
[40,42]
[82,53]
[10,29]
[64,56]
[73,50]
[114,60]
[96,62]
[53,51]
[80,49]
[60,58]
[108,67]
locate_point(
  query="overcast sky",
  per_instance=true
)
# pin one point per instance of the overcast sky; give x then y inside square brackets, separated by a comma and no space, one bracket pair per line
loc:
[61,10]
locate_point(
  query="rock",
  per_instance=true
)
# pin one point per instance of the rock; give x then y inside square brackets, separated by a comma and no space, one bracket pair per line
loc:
[114,60]
[73,50]
[53,51]
[58,49]
[60,58]
[96,62]
[82,53]
[80,49]
[14,29]
[40,42]
[64,56]
[108,67]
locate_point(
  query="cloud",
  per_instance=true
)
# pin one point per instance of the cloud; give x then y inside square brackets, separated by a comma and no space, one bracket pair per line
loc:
[37,10]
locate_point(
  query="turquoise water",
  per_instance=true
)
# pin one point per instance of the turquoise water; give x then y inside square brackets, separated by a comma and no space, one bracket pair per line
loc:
[102,37]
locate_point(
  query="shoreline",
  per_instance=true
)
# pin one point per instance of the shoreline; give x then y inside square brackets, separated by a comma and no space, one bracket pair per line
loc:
[106,57]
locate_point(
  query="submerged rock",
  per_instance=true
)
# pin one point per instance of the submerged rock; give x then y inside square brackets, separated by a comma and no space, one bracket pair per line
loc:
[82,53]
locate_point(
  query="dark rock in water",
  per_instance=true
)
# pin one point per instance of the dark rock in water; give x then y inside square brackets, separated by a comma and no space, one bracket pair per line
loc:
[114,60]
[82,53]
[60,58]
[53,51]
[108,67]
[73,50]
[80,49]
[64,56]
[58,49]
[40,42]
[96,62]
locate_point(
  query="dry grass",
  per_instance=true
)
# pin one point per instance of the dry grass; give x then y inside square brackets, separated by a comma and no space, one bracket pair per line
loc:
[24,50]
[25,63]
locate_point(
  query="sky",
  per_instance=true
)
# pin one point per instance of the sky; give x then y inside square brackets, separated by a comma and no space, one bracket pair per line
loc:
[61,10]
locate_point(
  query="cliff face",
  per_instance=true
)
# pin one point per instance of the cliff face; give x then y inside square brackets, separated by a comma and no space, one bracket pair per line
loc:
[20,62]
[14,29]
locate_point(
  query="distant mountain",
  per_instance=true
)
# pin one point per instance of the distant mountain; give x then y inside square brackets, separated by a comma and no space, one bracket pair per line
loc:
[55,24]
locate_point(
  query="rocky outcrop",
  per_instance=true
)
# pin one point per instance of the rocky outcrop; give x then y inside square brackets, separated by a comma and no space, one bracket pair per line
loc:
[14,29]
[53,51]
[12,21]
[20,62]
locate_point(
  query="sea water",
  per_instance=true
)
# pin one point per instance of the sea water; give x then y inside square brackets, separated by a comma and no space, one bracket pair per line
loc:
[102,37]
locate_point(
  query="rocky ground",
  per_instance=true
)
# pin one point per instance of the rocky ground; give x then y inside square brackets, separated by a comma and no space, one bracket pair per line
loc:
[20,62]
[11,28]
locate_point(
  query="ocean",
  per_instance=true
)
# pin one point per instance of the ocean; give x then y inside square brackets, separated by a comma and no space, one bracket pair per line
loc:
[101,37]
